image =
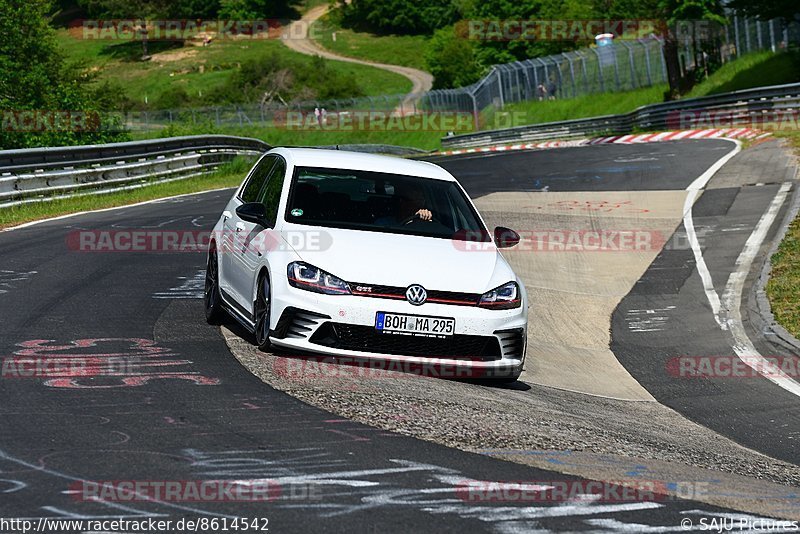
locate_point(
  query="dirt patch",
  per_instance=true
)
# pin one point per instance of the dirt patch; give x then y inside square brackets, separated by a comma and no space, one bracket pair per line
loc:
[175,55]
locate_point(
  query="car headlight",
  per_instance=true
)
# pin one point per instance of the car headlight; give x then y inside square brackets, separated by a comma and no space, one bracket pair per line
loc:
[504,297]
[304,276]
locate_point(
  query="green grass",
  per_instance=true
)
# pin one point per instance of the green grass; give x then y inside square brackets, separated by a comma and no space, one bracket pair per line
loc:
[404,50]
[758,69]
[198,69]
[752,70]
[425,140]
[783,287]
[228,175]
[534,112]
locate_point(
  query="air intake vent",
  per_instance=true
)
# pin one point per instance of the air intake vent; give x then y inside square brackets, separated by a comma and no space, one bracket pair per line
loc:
[296,323]
[512,342]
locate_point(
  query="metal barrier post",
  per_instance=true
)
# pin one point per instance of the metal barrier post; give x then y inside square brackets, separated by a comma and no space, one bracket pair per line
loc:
[499,86]
[771,35]
[647,64]
[747,34]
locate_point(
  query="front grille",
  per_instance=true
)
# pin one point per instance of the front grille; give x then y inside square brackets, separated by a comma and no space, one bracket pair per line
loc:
[399,293]
[367,339]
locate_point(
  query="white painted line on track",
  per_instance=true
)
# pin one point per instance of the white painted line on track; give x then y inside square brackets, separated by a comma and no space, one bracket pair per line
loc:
[702,268]
[694,190]
[68,215]
[727,310]
[142,497]
[732,297]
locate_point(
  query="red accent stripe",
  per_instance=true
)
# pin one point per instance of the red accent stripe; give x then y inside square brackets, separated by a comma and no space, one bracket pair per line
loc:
[449,301]
[490,304]
[402,297]
[303,282]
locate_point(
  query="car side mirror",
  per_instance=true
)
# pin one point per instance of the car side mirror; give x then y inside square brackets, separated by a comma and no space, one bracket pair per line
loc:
[505,237]
[254,212]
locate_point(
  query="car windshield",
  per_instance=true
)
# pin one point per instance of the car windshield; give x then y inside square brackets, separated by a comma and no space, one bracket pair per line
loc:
[382,202]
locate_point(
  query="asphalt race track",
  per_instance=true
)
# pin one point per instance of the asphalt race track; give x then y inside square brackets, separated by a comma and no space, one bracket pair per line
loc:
[162,399]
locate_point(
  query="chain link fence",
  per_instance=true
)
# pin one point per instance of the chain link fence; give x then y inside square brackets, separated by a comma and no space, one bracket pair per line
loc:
[619,66]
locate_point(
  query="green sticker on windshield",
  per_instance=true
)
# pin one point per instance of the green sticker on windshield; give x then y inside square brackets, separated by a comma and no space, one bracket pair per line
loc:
[297,212]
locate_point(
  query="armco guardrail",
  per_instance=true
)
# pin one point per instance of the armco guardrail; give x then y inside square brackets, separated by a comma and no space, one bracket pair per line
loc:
[36,174]
[753,105]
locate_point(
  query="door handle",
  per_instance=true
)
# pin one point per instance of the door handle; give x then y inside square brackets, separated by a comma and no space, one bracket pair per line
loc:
[240,227]
[226,215]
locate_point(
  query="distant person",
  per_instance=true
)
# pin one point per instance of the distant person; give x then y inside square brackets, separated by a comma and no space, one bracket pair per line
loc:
[317,115]
[542,90]
[324,114]
[551,89]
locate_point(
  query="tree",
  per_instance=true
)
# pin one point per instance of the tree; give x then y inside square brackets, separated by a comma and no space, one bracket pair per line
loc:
[490,52]
[255,9]
[768,9]
[399,16]
[34,80]
[672,12]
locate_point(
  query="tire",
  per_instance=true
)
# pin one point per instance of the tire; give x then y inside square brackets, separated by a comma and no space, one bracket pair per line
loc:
[262,308]
[502,381]
[211,297]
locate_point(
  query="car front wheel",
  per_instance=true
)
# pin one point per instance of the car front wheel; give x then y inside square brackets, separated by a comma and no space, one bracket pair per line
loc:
[213,302]
[262,313]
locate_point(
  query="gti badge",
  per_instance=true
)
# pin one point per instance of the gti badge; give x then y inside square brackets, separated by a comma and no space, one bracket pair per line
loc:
[416,295]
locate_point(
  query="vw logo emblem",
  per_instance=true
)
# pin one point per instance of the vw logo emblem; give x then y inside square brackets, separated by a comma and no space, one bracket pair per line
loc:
[416,295]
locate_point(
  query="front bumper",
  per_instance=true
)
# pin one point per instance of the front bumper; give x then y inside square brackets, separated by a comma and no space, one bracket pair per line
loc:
[487,343]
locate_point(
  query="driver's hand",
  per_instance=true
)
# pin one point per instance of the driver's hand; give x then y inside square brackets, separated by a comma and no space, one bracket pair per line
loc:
[424,214]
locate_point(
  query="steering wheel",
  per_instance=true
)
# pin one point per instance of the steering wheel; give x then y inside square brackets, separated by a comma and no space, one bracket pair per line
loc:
[409,220]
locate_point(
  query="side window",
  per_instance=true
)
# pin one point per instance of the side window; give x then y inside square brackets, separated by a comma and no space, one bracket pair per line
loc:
[271,194]
[257,179]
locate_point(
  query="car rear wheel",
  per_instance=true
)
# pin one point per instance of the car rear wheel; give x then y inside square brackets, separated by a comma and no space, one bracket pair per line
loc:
[261,313]
[213,302]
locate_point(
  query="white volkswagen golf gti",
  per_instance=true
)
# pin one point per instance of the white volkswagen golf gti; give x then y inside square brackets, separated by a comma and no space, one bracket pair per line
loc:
[367,257]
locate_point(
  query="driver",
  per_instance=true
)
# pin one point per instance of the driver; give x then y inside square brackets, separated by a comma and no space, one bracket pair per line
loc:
[409,200]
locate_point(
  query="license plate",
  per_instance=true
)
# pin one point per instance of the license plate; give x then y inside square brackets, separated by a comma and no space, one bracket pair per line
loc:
[415,325]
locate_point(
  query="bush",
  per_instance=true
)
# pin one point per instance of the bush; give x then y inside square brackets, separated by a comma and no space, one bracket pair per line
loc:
[451,59]
[291,78]
[173,97]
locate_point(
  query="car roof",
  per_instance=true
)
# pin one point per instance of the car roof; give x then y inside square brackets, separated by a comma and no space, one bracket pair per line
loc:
[343,159]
